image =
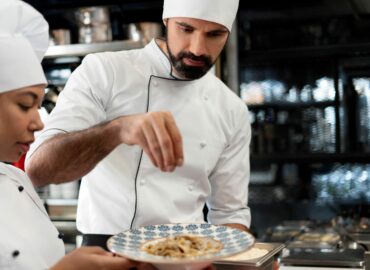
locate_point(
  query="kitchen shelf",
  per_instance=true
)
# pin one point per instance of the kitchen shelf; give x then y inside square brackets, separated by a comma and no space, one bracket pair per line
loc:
[305,52]
[84,49]
[66,4]
[61,202]
[61,209]
[290,105]
[311,158]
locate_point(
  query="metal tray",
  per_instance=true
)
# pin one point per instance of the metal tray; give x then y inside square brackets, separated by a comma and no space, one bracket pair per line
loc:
[344,258]
[361,238]
[273,249]
[358,229]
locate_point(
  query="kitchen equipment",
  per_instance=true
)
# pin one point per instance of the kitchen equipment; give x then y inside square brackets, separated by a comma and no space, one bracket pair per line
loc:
[315,243]
[362,87]
[362,226]
[144,31]
[266,262]
[89,34]
[92,15]
[323,239]
[283,233]
[51,97]
[61,209]
[150,30]
[361,238]
[342,258]
[60,37]
[134,32]
[94,24]
[64,191]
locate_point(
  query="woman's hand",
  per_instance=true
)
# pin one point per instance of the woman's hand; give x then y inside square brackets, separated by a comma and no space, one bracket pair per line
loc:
[96,258]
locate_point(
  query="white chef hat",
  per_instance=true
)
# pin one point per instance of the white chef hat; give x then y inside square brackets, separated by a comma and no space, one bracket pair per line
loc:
[219,11]
[23,42]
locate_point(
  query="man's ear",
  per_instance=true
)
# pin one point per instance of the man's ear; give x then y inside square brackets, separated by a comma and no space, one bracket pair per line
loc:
[165,21]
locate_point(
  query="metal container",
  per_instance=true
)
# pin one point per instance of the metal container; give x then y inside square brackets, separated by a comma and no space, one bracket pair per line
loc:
[92,16]
[134,32]
[62,209]
[94,24]
[343,258]
[320,240]
[361,238]
[283,233]
[144,31]
[60,37]
[93,34]
[150,30]
[265,262]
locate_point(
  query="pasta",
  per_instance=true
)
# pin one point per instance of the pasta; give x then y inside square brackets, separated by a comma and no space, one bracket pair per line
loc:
[183,246]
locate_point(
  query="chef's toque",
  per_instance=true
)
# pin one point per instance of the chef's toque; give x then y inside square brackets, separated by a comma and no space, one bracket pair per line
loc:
[23,42]
[219,11]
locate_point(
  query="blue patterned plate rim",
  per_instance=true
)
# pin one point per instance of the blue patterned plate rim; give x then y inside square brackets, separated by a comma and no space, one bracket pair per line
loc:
[128,243]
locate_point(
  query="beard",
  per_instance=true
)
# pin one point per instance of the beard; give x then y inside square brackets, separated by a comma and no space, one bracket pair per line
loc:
[187,71]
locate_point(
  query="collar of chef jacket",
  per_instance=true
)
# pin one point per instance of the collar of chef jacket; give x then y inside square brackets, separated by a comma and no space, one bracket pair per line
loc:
[20,179]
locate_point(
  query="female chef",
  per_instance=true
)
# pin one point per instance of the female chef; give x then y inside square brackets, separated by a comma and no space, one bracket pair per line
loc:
[28,239]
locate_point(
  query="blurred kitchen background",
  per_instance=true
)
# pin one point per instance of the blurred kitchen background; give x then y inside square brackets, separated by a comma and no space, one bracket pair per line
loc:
[302,68]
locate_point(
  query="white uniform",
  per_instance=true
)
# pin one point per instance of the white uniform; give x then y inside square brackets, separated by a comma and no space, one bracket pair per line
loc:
[215,128]
[29,240]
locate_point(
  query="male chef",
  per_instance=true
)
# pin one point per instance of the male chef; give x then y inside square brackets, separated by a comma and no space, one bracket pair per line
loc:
[152,133]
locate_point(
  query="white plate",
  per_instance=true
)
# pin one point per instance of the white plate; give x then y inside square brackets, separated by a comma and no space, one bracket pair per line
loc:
[129,243]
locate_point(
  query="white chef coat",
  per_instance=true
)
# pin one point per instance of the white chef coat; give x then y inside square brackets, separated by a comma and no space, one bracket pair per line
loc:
[29,240]
[215,128]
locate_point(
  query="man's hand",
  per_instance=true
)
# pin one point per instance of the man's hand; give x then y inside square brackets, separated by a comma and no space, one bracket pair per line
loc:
[158,136]
[69,156]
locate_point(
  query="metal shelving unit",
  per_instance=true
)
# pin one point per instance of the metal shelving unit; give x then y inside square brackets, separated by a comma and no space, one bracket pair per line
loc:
[290,145]
[290,105]
[310,158]
[84,49]
[327,51]
[337,58]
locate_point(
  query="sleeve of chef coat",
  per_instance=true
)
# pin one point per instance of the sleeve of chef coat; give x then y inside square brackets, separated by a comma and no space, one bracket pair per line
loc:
[82,103]
[230,178]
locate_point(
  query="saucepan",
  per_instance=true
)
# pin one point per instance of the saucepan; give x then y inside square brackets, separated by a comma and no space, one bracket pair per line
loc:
[94,24]
[144,31]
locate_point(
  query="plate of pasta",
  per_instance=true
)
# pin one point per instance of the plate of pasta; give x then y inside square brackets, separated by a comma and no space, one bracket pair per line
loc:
[180,246]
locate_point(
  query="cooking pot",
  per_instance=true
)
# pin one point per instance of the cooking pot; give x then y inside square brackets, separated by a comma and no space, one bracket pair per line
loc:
[94,24]
[144,31]
[150,30]
[92,16]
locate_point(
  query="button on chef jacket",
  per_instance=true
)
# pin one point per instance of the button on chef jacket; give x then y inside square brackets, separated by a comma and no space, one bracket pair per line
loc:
[215,129]
[29,240]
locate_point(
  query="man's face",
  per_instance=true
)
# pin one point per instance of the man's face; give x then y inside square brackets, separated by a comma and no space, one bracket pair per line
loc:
[193,45]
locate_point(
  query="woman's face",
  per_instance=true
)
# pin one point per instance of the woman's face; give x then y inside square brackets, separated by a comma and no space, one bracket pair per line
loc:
[19,119]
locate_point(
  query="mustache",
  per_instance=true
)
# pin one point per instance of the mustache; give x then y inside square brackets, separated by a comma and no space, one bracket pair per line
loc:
[204,58]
